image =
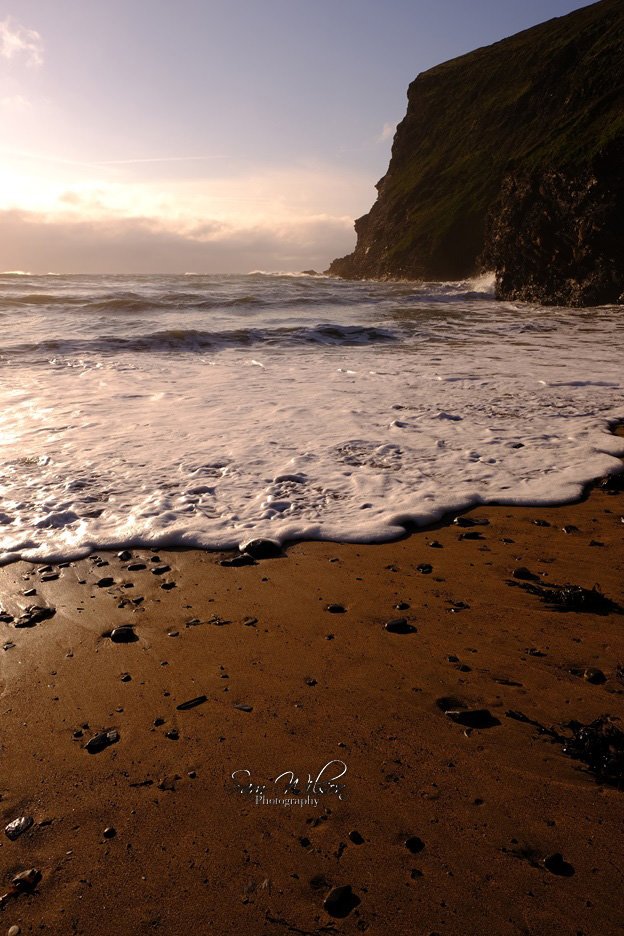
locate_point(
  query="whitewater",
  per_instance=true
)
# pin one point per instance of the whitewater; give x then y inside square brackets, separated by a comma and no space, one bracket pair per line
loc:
[210,410]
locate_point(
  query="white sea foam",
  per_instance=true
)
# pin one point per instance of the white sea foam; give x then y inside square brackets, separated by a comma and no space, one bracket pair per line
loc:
[313,409]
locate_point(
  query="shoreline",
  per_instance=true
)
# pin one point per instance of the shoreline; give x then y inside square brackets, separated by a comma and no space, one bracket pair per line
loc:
[279,682]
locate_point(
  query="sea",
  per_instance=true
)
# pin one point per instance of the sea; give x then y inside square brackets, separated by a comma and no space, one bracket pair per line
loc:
[206,411]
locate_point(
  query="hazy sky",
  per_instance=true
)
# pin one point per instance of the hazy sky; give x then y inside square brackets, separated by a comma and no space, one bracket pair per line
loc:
[211,136]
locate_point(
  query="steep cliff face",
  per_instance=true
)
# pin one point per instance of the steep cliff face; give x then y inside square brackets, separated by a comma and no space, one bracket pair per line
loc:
[510,158]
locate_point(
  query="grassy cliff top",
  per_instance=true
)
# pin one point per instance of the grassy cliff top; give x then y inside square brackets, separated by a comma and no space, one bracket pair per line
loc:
[549,97]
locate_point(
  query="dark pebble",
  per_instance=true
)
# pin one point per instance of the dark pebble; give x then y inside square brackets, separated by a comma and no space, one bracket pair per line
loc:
[470,522]
[401,606]
[594,676]
[124,634]
[34,615]
[105,582]
[172,734]
[109,832]
[243,560]
[101,741]
[244,708]
[160,570]
[557,865]
[471,535]
[126,677]
[262,549]
[336,609]
[136,567]
[341,901]
[167,586]
[424,568]
[49,576]
[125,556]
[399,626]
[435,545]
[192,703]
[541,523]
[473,718]
[356,838]
[414,844]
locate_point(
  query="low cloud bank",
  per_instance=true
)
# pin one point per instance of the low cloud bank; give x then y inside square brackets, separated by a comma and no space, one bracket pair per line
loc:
[43,244]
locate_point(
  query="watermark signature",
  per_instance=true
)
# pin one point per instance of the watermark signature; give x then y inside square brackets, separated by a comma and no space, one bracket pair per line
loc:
[289,790]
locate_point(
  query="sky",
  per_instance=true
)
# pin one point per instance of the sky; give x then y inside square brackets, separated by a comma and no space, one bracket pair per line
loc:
[146,136]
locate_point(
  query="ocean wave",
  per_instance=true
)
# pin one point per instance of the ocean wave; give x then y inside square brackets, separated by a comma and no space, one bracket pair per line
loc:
[190,339]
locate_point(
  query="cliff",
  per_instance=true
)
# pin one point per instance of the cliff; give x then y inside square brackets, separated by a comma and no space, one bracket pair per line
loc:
[511,158]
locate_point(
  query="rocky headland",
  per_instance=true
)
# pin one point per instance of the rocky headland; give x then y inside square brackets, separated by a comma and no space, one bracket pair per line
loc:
[510,159]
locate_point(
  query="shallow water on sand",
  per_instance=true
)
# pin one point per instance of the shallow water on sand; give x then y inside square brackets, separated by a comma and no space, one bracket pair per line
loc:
[207,410]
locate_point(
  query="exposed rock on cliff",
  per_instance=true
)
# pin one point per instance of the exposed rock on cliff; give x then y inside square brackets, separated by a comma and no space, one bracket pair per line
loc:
[511,158]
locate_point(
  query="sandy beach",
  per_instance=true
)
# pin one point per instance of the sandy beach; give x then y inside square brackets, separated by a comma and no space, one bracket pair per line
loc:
[151,834]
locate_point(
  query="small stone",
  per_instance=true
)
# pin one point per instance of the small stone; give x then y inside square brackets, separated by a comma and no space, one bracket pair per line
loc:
[472,718]
[570,528]
[594,676]
[161,569]
[105,582]
[310,681]
[136,567]
[336,609]
[243,560]
[541,523]
[356,838]
[192,774]
[124,634]
[471,535]
[18,827]
[341,901]
[414,844]
[192,703]
[101,741]
[167,586]
[399,626]
[109,832]
[262,549]
[29,592]
[125,556]
[34,615]
[158,722]
[243,708]
[424,568]
[14,931]
[172,734]
[434,544]
[401,606]
[26,880]
[557,865]
[126,677]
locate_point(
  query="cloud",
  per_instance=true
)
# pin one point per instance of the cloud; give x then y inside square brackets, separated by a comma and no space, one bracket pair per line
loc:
[14,104]
[43,244]
[387,132]
[16,40]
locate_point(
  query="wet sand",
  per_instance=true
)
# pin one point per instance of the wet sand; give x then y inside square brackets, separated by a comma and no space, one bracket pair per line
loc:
[481,808]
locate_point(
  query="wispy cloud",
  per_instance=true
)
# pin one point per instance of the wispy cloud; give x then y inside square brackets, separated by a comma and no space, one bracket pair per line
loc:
[387,132]
[16,41]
